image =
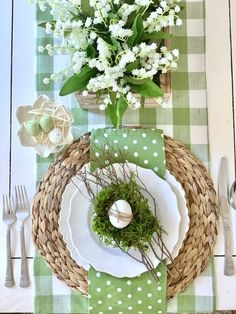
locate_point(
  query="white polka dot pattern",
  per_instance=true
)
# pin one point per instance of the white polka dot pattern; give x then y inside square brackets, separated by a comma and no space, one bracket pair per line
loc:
[140,147]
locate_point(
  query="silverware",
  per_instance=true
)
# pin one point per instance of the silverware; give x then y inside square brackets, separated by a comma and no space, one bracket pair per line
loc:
[232,195]
[22,213]
[225,214]
[8,217]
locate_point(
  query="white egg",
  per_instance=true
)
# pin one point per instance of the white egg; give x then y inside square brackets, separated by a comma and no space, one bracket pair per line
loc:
[55,136]
[120,214]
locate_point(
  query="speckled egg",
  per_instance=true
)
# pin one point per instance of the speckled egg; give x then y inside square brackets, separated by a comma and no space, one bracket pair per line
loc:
[46,123]
[120,214]
[55,136]
[33,128]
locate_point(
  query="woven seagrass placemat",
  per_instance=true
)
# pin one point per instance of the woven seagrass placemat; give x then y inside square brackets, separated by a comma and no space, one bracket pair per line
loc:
[201,201]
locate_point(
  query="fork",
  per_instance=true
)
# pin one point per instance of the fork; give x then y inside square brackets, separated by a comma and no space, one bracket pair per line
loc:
[22,213]
[8,217]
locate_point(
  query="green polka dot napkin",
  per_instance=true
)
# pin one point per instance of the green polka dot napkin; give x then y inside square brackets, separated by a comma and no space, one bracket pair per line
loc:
[140,294]
[185,119]
[142,147]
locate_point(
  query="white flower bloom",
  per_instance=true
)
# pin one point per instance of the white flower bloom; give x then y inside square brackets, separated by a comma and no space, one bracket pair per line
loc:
[103,49]
[48,28]
[127,57]
[173,65]
[179,22]
[49,49]
[177,9]
[125,10]
[40,49]
[93,35]
[75,2]
[92,3]
[79,39]
[88,22]
[175,52]
[137,105]
[107,100]
[163,49]
[125,89]
[163,16]
[142,2]
[85,93]
[164,105]
[46,81]
[102,107]
[117,30]
[53,76]
[163,4]
[159,100]
[171,21]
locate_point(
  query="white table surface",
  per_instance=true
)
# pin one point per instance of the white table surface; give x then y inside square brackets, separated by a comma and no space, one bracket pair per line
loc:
[17,164]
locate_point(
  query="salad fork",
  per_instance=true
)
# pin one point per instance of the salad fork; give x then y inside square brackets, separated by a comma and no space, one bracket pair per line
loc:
[8,217]
[22,213]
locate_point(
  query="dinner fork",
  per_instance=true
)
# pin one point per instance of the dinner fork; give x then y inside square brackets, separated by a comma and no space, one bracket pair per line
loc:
[8,217]
[22,213]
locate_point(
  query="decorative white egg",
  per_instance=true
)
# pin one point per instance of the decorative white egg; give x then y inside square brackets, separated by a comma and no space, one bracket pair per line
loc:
[55,136]
[120,214]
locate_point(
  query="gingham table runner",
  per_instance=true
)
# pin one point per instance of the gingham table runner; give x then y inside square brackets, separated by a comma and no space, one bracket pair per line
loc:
[185,119]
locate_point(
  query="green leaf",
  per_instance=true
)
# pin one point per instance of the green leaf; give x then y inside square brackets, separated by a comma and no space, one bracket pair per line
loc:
[116,109]
[137,29]
[131,19]
[142,102]
[113,97]
[78,82]
[111,108]
[155,36]
[86,8]
[51,22]
[91,51]
[115,44]
[120,110]
[135,81]
[106,38]
[133,65]
[148,89]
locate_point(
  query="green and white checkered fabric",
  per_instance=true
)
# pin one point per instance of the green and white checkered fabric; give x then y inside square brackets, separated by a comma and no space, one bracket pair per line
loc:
[185,119]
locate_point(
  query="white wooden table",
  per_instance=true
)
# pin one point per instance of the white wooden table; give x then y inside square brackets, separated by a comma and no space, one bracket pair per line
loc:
[17,164]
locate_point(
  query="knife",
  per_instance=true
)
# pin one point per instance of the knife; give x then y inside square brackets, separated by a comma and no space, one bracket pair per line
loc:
[226,217]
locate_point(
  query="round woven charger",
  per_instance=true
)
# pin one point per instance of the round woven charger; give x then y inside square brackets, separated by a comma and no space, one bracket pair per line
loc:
[201,200]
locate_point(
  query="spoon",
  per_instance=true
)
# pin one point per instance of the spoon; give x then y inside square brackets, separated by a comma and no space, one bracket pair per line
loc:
[232,195]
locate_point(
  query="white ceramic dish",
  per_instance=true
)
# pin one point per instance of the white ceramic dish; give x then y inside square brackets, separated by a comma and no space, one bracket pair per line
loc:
[183,211]
[44,105]
[70,192]
[105,258]
[67,196]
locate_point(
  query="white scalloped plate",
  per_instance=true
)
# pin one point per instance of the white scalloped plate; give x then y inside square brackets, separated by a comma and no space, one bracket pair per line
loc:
[71,190]
[78,223]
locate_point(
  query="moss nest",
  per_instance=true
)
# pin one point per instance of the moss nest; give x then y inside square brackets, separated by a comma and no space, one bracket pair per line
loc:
[139,233]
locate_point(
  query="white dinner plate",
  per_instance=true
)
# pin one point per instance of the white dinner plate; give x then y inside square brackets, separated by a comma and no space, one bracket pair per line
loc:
[67,196]
[183,211]
[71,189]
[105,258]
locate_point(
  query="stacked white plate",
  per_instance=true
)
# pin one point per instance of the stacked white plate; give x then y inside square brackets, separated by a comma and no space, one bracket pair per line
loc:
[76,223]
